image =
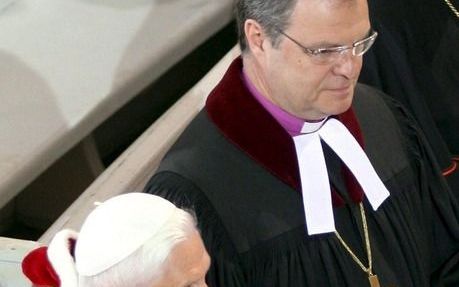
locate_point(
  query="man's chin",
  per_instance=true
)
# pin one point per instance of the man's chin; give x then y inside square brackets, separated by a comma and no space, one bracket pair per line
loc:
[339,108]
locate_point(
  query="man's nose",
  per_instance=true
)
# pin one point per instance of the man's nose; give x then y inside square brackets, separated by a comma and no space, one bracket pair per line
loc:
[347,64]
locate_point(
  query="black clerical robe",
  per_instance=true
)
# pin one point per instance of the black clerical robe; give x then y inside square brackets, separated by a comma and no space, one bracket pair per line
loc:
[236,167]
[416,60]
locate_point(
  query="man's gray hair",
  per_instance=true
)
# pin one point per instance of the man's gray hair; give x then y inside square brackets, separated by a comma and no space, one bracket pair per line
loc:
[272,15]
[145,265]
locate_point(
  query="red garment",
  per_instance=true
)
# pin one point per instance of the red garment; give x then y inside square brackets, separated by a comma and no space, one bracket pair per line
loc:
[38,269]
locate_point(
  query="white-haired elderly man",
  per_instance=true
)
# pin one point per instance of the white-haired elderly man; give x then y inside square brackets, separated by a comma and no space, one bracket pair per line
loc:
[130,240]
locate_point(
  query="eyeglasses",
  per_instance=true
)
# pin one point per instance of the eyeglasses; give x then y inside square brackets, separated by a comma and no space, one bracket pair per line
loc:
[329,55]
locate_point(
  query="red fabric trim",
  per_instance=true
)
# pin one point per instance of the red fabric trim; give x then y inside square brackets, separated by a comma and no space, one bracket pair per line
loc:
[250,127]
[38,269]
[452,168]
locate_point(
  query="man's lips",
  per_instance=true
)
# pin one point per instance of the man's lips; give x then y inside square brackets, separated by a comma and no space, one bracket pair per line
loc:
[340,88]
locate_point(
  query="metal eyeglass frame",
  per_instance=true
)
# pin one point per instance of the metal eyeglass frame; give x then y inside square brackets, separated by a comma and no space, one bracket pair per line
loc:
[328,55]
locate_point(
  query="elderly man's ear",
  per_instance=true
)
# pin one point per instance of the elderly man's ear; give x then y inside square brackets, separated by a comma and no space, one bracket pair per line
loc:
[255,36]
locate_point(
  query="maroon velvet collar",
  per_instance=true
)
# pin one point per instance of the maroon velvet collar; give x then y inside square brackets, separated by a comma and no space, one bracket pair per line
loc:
[250,127]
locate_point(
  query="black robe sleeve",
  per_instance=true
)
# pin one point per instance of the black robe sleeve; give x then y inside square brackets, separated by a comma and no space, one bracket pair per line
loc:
[444,208]
[224,270]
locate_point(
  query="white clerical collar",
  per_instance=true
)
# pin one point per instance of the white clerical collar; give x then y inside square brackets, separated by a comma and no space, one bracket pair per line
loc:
[315,183]
[311,127]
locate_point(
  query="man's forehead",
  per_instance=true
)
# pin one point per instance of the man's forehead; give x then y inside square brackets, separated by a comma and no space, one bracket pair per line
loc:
[329,12]
[331,3]
[314,23]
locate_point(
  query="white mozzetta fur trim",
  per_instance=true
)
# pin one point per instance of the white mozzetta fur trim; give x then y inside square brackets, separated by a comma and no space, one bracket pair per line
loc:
[61,259]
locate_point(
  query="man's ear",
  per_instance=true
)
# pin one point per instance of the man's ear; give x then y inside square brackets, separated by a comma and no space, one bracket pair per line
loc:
[254,35]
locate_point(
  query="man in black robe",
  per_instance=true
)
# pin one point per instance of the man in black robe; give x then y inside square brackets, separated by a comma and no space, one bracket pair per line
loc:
[298,175]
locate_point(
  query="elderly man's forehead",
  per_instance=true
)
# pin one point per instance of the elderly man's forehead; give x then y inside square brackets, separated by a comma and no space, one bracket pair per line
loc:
[187,263]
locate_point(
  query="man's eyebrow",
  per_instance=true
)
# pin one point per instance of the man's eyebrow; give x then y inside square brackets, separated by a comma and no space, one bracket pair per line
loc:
[327,44]
[370,30]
